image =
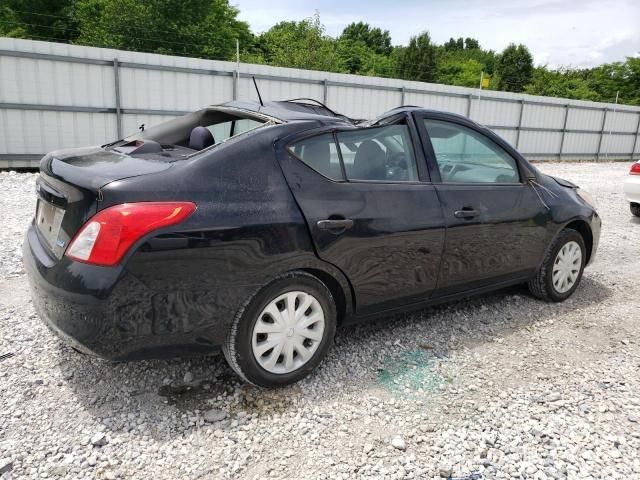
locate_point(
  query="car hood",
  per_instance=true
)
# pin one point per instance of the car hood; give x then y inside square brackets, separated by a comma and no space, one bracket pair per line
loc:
[563,182]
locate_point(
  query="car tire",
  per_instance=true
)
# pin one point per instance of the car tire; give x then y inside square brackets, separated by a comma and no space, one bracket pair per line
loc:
[294,355]
[548,282]
[635,209]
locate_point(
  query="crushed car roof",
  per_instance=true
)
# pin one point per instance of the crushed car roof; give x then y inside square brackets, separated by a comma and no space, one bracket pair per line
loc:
[310,109]
[291,110]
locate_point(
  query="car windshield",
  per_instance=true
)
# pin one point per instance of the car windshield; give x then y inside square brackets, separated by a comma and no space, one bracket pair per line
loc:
[191,133]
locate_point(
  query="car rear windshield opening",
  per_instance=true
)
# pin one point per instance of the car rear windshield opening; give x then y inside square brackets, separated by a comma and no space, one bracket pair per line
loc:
[189,134]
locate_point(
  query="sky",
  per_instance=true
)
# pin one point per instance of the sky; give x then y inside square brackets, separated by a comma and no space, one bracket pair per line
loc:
[569,33]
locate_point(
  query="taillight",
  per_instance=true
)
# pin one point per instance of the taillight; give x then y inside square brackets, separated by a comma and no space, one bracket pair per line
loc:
[107,236]
[635,169]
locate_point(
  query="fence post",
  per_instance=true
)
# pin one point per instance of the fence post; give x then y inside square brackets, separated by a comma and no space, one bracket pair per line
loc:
[519,124]
[116,83]
[325,91]
[469,106]
[564,130]
[401,96]
[635,142]
[235,84]
[604,121]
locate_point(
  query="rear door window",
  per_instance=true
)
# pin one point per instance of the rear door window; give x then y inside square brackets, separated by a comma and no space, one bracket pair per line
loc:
[321,154]
[383,154]
[380,154]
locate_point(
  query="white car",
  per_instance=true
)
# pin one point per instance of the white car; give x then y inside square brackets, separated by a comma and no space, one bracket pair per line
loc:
[632,188]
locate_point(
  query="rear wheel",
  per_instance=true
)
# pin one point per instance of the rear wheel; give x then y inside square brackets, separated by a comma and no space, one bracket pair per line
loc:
[283,332]
[635,209]
[562,268]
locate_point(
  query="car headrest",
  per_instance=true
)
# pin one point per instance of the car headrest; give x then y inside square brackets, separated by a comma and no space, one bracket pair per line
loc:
[200,138]
[369,162]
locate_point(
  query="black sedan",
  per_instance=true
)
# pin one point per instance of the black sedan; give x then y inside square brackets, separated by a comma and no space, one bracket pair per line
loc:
[261,228]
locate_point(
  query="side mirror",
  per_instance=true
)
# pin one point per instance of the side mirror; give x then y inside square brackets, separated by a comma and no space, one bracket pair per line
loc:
[528,172]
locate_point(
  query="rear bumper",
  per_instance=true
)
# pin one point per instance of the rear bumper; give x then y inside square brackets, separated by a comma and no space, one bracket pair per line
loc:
[109,313]
[632,188]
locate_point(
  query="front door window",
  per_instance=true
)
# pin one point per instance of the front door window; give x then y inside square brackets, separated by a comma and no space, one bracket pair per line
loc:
[466,156]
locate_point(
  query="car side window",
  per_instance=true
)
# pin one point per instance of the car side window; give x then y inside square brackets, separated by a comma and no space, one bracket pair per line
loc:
[220,131]
[321,154]
[225,130]
[466,156]
[379,153]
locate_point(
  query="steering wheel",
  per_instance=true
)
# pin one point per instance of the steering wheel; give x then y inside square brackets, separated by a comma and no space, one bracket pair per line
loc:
[449,170]
[398,160]
[397,166]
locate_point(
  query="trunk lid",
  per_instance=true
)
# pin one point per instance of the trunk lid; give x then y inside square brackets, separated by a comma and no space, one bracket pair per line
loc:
[69,186]
[94,167]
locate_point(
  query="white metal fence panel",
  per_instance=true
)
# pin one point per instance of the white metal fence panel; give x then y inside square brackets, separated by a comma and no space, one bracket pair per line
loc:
[510,135]
[585,119]
[55,96]
[457,105]
[132,122]
[547,143]
[544,116]
[491,112]
[578,143]
[621,122]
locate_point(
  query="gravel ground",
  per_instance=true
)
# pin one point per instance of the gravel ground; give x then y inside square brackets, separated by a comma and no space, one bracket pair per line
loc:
[504,385]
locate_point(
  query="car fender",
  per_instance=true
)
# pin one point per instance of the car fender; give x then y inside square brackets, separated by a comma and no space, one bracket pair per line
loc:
[588,222]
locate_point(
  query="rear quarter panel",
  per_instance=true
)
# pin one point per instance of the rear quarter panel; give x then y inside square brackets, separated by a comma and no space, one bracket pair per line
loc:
[246,231]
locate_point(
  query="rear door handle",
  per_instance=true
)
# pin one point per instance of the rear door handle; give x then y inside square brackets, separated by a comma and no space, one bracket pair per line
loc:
[466,213]
[341,224]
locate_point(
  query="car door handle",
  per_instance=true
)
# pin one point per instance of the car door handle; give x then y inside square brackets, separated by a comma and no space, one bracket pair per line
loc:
[466,213]
[341,224]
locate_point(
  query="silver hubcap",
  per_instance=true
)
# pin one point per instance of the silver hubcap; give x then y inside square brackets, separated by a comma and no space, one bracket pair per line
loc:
[288,332]
[566,267]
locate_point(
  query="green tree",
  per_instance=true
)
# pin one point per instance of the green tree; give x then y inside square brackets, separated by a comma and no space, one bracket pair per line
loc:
[357,58]
[300,44]
[366,51]
[471,44]
[632,80]
[515,68]
[47,20]
[354,55]
[382,65]
[418,61]
[560,83]
[10,25]
[463,73]
[611,78]
[374,38]
[461,62]
[203,28]
[453,44]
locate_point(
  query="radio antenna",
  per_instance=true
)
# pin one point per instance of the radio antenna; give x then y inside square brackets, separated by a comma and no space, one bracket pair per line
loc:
[258,91]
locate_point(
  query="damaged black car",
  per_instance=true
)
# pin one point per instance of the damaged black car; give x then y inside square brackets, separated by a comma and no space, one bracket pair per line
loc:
[259,229]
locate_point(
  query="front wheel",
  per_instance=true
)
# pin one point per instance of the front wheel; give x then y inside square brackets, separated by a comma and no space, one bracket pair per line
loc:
[283,332]
[635,209]
[562,268]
